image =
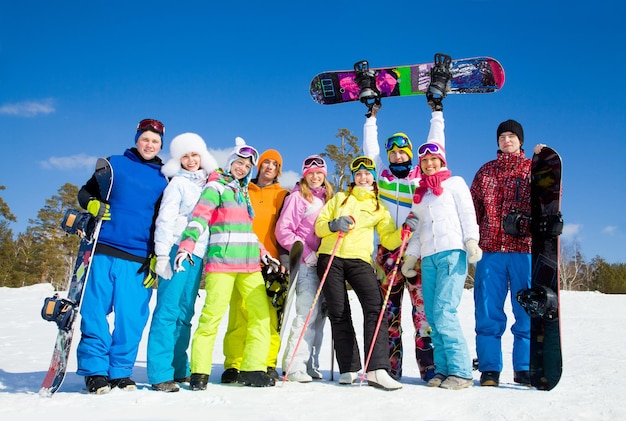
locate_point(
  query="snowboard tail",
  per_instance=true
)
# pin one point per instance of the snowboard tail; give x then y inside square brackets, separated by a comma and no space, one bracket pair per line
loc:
[469,75]
[63,311]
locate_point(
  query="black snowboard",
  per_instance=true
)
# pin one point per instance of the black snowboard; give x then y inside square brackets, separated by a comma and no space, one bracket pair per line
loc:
[541,301]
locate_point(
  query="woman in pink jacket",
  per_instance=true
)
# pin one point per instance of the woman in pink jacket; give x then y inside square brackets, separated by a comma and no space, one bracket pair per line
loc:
[297,223]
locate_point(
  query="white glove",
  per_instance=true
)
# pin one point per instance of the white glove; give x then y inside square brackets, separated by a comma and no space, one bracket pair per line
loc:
[163,267]
[274,264]
[408,267]
[181,256]
[311,259]
[474,253]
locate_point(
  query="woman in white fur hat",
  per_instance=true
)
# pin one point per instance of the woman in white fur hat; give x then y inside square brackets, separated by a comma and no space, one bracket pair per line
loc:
[188,168]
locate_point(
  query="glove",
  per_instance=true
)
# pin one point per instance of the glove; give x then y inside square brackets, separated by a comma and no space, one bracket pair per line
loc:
[411,222]
[99,209]
[181,256]
[163,267]
[151,276]
[408,267]
[342,224]
[273,264]
[311,259]
[474,253]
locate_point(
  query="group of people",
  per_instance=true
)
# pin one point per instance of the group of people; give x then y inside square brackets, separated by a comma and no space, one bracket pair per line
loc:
[189,216]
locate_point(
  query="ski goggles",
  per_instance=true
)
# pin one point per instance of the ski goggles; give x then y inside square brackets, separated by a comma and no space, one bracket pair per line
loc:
[398,141]
[431,148]
[362,162]
[313,161]
[152,125]
[248,152]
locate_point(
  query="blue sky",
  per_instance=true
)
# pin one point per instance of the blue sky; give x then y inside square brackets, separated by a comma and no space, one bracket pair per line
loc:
[76,77]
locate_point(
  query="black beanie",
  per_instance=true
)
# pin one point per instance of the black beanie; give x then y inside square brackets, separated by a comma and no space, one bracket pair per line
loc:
[511,126]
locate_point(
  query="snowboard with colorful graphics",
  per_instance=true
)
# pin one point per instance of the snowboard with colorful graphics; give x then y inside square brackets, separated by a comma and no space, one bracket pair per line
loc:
[541,301]
[63,311]
[469,76]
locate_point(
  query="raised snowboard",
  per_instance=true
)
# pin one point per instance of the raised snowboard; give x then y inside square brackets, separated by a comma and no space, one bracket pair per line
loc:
[469,76]
[63,311]
[541,301]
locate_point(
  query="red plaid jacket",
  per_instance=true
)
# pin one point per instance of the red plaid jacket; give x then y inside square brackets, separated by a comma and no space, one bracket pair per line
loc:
[499,187]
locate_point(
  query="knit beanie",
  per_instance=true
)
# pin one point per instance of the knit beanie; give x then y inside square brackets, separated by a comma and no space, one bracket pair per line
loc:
[434,149]
[513,127]
[274,155]
[314,163]
[184,144]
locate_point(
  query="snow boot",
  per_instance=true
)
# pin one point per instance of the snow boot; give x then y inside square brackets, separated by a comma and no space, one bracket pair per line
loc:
[168,386]
[300,377]
[490,378]
[271,371]
[314,373]
[382,380]
[348,377]
[124,383]
[456,383]
[436,380]
[230,375]
[198,381]
[97,385]
[522,377]
[255,379]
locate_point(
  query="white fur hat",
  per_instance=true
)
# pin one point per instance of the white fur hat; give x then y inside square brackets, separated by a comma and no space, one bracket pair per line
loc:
[183,144]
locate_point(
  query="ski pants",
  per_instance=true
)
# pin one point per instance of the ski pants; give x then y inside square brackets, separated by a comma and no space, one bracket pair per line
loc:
[170,329]
[113,286]
[307,354]
[385,261]
[495,274]
[219,288]
[362,278]
[443,279]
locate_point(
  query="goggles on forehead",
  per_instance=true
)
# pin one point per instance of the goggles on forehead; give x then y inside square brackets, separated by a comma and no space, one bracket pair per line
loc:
[150,124]
[314,161]
[398,141]
[432,148]
[248,152]
[362,162]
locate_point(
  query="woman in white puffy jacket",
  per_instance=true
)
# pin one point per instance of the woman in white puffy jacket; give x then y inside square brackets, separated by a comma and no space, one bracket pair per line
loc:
[446,238]
[170,329]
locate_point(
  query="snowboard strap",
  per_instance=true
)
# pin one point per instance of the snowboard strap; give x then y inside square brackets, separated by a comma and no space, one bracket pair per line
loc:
[366,79]
[59,310]
[440,75]
[539,301]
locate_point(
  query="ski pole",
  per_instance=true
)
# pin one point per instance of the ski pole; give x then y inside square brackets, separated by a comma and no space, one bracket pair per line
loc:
[405,237]
[317,295]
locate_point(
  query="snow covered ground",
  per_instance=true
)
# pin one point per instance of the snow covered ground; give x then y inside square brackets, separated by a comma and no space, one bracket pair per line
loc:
[592,386]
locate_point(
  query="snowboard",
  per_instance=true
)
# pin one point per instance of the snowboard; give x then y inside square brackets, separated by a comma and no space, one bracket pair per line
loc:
[541,301]
[295,256]
[63,311]
[469,76]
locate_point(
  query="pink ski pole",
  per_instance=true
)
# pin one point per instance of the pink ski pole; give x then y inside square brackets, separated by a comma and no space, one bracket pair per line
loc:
[405,238]
[317,295]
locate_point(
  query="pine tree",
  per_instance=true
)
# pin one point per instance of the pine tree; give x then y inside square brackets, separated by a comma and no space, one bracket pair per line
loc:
[341,156]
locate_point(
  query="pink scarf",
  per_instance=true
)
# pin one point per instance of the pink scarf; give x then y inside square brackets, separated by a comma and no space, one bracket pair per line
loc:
[432,182]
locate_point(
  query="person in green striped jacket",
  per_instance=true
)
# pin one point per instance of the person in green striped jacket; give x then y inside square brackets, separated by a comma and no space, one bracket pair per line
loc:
[233,259]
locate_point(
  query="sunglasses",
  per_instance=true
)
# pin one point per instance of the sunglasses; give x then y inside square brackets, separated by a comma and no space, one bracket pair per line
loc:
[248,152]
[152,125]
[362,162]
[398,142]
[432,148]
[314,161]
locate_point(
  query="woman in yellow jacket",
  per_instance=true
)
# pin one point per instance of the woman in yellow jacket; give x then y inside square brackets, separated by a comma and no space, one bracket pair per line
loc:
[356,213]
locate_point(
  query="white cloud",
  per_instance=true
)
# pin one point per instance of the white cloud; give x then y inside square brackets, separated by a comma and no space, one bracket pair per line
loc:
[610,230]
[571,230]
[28,108]
[69,162]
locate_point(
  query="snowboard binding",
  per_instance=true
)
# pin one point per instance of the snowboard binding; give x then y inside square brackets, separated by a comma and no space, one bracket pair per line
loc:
[79,223]
[276,284]
[539,301]
[366,79]
[516,223]
[550,226]
[59,310]
[440,75]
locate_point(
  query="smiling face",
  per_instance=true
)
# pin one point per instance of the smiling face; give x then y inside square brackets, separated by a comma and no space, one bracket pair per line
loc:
[314,179]
[430,164]
[268,172]
[398,156]
[148,144]
[363,178]
[240,168]
[190,161]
